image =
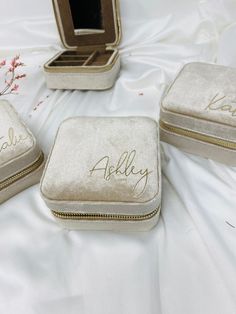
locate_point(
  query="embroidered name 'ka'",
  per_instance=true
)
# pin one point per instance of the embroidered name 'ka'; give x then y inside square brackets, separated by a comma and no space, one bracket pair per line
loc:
[229,107]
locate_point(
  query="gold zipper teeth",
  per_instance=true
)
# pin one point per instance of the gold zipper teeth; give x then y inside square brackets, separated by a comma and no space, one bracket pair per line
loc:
[197,136]
[31,168]
[94,216]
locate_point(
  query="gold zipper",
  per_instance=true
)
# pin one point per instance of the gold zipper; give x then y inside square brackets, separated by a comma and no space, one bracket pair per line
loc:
[23,173]
[197,136]
[94,216]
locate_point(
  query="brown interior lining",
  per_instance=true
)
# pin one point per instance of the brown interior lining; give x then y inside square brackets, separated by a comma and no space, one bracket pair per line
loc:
[74,58]
[67,25]
[101,58]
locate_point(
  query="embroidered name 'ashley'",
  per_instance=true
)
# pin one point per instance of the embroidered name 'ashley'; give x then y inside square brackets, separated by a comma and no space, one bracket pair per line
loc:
[10,140]
[214,105]
[124,166]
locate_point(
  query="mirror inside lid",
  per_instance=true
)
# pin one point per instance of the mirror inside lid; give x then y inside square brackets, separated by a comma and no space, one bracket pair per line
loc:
[88,23]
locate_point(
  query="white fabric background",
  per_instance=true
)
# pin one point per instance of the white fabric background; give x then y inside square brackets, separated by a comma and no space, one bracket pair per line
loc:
[187,264]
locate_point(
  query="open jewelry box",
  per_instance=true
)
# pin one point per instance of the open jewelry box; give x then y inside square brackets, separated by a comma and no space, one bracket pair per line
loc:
[90,31]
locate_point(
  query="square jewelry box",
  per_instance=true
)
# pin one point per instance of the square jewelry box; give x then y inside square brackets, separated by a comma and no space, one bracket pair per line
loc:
[21,160]
[90,31]
[198,112]
[104,174]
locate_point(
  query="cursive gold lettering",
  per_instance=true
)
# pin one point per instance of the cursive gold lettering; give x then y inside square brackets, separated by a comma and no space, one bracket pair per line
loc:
[124,166]
[11,140]
[213,105]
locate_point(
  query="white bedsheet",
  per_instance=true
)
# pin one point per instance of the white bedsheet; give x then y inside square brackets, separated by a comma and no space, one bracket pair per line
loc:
[185,265]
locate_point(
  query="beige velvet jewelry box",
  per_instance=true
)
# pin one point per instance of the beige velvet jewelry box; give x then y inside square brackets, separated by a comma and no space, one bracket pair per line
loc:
[104,174]
[198,113]
[21,160]
[90,32]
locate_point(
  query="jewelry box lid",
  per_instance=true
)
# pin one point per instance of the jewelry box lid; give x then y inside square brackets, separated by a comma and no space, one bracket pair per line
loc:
[104,164]
[205,92]
[18,148]
[202,99]
[84,24]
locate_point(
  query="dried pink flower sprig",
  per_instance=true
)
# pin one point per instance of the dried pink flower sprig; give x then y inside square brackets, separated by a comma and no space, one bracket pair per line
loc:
[2,63]
[10,75]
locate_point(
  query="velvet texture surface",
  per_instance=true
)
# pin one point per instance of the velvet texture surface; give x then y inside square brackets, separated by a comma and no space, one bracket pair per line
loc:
[82,78]
[18,150]
[104,160]
[15,139]
[204,91]
[202,99]
[18,147]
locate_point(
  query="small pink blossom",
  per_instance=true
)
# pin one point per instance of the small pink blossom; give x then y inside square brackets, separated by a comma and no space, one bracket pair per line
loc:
[20,76]
[2,63]
[18,64]
[14,61]
[15,88]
